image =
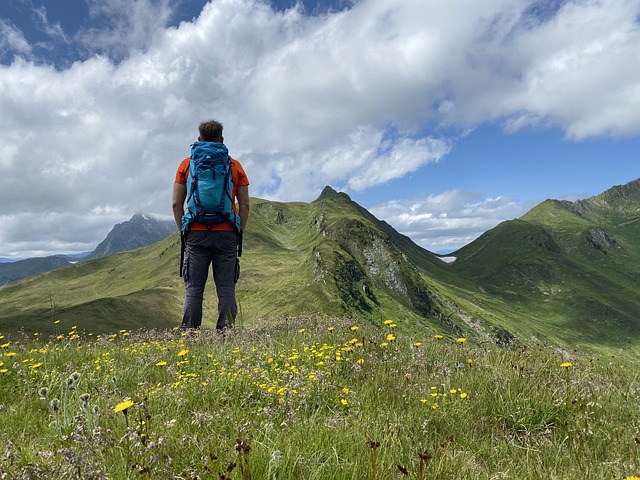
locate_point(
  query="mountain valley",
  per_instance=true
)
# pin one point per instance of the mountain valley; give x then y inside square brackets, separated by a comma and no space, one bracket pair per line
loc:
[565,273]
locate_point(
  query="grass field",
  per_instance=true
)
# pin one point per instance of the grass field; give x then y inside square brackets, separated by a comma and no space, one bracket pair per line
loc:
[311,398]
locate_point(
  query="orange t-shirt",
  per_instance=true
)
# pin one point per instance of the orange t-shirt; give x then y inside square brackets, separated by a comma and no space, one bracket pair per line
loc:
[240,179]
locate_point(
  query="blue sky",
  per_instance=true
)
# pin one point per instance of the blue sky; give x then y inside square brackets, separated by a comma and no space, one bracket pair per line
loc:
[442,118]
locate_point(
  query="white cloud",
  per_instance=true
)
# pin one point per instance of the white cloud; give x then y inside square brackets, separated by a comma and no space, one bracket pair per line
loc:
[124,25]
[352,99]
[51,29]
[584,71]
[449,220]
[12,39]
[64,232]
[396,160]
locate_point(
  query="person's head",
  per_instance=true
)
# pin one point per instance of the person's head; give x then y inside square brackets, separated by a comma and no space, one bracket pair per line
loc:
[210,131]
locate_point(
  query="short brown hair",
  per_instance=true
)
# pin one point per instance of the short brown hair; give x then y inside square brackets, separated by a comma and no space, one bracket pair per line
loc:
[210,131]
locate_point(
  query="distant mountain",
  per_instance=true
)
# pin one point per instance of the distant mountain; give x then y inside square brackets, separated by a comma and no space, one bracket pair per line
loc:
[140,231]
[565,273]
[10,272]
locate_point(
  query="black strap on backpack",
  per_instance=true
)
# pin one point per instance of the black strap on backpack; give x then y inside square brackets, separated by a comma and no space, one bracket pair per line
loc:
[183,246]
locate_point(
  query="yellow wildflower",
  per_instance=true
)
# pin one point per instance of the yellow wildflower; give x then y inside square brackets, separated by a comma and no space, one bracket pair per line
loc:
[461,340]
[182,353]
[566,364]
[438,337]
[417,344]
[161,364]
[354,328]
[391,337]
[123,406]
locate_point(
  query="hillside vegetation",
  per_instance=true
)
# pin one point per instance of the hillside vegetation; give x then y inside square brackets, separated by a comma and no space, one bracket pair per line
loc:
[314,398]
[566,273]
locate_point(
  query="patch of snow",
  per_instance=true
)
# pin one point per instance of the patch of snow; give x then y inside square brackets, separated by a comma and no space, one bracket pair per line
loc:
[158,217]
[448,259]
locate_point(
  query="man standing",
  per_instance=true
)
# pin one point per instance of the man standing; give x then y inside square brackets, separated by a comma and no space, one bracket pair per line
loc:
[214,243]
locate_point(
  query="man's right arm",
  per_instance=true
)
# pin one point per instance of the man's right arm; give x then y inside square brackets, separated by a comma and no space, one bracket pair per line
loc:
[177,203]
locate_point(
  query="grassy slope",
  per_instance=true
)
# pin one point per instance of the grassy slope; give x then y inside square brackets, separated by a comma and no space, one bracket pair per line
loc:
[293,254]
[313,399]
[132,289]
[565,273]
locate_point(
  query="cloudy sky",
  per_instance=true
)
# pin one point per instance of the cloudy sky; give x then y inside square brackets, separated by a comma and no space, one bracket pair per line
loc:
[442,118]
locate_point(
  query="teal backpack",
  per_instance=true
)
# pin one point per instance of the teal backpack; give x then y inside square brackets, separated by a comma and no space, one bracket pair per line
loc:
[209,187]
[209,192]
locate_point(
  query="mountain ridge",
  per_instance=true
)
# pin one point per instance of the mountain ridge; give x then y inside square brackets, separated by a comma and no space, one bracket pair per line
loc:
[554,275]
[139,231]
[16,270]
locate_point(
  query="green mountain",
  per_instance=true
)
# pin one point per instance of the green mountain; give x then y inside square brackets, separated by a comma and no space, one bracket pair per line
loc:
[328,257]
[565,273]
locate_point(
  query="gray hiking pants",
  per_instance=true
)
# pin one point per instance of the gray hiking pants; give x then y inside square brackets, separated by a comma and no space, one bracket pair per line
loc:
[219,249]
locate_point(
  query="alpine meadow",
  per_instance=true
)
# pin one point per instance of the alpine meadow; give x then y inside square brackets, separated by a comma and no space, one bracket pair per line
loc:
[356,354]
